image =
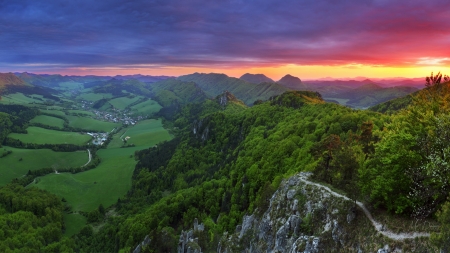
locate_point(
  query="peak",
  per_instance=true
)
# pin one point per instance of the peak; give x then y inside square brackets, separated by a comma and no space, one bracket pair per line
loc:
[289,77]
[290,81]
[10,79]
[226,97]
[256,78]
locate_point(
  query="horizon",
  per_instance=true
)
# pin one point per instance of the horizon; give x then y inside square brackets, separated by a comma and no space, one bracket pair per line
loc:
[327,78]
[311,40]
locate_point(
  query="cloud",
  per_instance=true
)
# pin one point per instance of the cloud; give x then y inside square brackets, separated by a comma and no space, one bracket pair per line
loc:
[223,33]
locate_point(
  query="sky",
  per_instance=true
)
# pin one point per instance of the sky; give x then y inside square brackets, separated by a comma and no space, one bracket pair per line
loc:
[308,39]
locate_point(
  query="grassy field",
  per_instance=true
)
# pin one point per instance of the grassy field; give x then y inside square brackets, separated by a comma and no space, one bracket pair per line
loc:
[94,96]
[147,131]
[103,185]
[48,120]
[41,136]
[111,179]
[122,102]
[87,113]
[74,223]
[33,159]
[19,98]
[54,112]
[146,107]
[91,124]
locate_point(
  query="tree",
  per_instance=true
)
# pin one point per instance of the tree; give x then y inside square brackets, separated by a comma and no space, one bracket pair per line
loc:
[325,152]
[442,239]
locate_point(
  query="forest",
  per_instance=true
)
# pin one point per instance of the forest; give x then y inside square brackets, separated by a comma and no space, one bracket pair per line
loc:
[227,160]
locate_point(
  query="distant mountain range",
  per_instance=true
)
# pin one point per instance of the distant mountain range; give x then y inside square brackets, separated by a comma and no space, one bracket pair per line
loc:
[360,93]
[215,84]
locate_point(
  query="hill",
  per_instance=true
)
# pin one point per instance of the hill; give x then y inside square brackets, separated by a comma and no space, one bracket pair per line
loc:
[292,82]
[143,78]
[256,78]
[54,81]
[121,87]
[215,84]
[170,91]
[9,79]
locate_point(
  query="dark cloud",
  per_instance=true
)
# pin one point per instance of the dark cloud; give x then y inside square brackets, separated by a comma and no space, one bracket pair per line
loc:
[222,33]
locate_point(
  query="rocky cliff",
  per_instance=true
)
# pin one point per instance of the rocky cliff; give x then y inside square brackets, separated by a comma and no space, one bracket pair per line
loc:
[303,217]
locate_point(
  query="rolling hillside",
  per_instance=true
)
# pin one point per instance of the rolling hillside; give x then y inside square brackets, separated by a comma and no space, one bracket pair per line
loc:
[9,79]
[215,84]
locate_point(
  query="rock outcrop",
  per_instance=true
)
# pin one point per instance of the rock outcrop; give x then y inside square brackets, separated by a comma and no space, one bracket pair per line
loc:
[303,217]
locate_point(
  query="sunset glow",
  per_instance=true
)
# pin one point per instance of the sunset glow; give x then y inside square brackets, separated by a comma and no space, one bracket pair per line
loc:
[308,39]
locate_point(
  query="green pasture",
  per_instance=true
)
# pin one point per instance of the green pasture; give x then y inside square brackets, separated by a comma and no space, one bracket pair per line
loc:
[147,107]
[111,180]
[20,98]
[105,107]
[20,161]
[91,124]
[42,136]
[54,112]
[74,223]
[147,132]
[94,96]
[122,102]
[48,120]
[87,113]
[103,185]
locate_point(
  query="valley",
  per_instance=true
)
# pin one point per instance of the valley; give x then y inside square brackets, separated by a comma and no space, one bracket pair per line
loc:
[146,159]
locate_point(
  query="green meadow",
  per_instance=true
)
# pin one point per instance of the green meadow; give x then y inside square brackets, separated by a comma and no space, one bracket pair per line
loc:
[91,124]
[54,112]
[20,161]
[109,181]
[19,98]
[94,96]
[147,107]
[42,136]
[48,120]
[103,185]
[87,113]
[74,223]
[147,132]
[122,102]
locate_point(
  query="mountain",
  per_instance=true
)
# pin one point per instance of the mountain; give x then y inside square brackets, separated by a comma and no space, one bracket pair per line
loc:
[215,84]
[256,78]
[143,78]
[372,94]
[396,104]
[9,79]
[54,81]
[172,91]
[292,82]
[121,87]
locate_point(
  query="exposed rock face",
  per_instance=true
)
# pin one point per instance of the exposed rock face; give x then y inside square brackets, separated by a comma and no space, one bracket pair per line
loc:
[200,129]
[187,243]
[224,98]
[142,245]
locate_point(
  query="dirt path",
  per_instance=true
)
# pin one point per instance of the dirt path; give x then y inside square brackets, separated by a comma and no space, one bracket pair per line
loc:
[90,157]
[378,226]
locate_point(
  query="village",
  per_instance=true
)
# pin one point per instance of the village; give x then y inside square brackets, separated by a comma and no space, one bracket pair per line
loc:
[113,115]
